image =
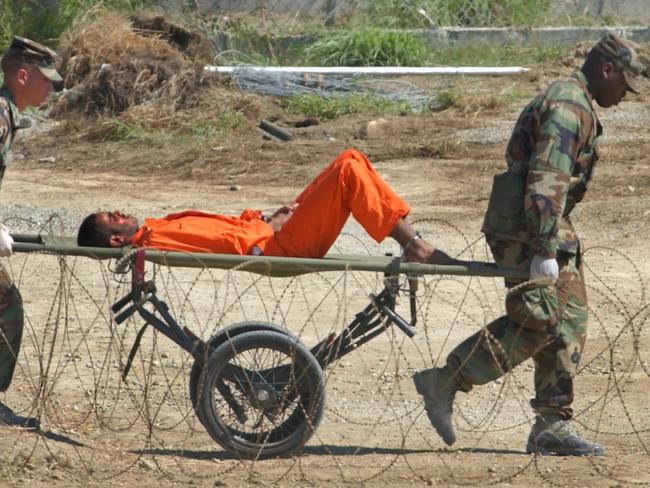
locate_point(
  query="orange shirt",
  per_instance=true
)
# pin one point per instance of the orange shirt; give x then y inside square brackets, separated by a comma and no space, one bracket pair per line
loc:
[195,231]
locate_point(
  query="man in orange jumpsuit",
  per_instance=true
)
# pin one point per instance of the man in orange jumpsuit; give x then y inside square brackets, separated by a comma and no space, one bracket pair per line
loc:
[307,228]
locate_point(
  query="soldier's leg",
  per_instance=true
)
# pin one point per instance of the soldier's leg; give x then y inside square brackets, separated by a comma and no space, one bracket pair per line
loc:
[532,316]
[11,328]
[530,324]
[11,332]
[556,364]
[509,340]
[488,354]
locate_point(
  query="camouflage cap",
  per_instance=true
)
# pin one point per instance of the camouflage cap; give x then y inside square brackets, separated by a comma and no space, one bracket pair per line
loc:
[34,53]
[621,52]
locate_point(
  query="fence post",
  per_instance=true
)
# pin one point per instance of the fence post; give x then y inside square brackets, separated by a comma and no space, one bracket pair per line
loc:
[330,12]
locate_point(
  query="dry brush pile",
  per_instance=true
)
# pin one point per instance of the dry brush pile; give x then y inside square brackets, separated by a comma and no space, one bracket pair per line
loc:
[145,69]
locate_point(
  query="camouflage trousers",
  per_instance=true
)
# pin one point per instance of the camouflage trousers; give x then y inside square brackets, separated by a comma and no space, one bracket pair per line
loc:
[548,324]
[11,328]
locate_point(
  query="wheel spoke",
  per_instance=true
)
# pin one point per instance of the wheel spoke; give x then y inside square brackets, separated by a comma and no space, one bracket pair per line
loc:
[264,392]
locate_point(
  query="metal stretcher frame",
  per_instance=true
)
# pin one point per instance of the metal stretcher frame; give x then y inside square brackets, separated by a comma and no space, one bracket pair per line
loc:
[266,265]
[261,410]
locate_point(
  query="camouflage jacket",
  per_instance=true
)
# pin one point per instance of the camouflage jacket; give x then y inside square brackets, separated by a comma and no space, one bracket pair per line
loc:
[8,120]
[550,156]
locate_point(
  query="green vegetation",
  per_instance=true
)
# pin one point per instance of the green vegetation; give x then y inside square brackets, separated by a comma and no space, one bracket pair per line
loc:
[458,96]
[372,47]
[496,55]
[367,36]
[45,21]
[189,134]
[368,47]
[412,14]
[334,107]
[8,471]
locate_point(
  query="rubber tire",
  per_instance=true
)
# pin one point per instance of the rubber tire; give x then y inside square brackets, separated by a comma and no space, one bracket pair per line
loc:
[295,430]
[221,337]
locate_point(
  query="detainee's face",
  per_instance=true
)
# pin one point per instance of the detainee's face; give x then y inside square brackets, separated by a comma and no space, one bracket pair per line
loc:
[120,226]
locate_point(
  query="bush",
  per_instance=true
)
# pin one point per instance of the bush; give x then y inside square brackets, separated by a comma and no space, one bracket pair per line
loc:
[368,47]
[45,21]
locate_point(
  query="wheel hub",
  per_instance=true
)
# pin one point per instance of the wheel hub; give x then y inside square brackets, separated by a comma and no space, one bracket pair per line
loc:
[265,396]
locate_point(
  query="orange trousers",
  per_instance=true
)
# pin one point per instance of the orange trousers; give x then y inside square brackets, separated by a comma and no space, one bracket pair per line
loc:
[349,184]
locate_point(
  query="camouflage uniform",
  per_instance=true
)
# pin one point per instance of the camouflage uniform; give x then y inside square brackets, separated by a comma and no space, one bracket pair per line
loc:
[550,156]
[11,306]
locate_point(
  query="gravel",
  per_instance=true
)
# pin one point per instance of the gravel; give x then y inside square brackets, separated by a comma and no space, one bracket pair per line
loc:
[29,219]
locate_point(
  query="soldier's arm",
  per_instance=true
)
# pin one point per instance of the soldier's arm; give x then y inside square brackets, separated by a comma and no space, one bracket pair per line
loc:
[5,120]
[562,134]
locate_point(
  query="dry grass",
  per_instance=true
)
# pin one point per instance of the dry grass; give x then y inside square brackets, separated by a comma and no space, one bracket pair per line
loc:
[108,66]
[469,102]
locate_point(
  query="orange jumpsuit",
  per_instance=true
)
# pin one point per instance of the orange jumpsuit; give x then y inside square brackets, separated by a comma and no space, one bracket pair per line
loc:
[348,185]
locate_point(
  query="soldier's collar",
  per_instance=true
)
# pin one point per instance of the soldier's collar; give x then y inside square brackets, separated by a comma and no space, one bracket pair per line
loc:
[582,79]
[13,109]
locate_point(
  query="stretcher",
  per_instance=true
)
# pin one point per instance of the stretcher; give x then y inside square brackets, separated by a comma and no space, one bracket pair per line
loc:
[255,387]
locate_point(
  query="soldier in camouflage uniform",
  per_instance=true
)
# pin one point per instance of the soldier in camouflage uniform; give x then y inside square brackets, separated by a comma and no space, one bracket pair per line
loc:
[551,157]
[28,73]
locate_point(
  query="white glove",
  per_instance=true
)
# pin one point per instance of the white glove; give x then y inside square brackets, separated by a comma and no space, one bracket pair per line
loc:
[543,267]
[6,241]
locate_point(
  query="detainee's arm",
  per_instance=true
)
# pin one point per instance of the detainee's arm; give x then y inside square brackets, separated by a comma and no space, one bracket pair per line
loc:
[564,129]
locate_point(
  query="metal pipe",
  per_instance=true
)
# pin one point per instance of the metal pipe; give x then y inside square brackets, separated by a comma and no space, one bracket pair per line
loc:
[373,70]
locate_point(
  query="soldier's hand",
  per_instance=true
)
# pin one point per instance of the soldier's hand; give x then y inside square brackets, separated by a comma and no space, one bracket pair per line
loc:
[6,241]
[542,267]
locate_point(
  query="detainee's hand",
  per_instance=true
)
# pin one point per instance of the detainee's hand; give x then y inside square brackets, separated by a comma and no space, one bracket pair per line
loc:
[542,267]
[281,216]
[6,241]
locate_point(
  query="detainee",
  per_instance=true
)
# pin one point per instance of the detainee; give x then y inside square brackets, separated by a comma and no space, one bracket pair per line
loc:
[551,157]
[29,73]
[306,228]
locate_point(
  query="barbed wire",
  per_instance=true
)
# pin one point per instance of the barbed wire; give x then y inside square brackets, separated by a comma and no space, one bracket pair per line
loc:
[97,427]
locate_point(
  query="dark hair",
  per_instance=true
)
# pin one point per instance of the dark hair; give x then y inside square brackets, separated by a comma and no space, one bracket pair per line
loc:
[10,64]
[92,233]
[593,61]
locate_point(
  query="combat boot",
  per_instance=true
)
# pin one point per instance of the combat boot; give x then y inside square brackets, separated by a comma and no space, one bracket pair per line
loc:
[10,418]
[438,388]
[552,435]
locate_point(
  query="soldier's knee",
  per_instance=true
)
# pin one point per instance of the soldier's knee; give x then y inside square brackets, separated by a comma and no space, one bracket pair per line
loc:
[534,310]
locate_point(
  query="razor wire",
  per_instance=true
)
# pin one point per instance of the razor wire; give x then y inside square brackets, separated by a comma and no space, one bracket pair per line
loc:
[96,426]
[331,86]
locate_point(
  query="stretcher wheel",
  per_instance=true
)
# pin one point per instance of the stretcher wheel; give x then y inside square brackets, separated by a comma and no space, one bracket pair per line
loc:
[261,394]
[221,337]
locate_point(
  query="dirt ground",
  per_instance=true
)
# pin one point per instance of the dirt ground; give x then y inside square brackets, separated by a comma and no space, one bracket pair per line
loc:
[98,430]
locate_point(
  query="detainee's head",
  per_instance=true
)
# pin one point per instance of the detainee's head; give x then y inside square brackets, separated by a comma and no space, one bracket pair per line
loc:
[612,69]
[28,71]
[107,229]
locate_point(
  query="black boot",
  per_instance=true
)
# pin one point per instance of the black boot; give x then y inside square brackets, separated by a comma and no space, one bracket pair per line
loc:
[9,418]
[438,388]
[551,435]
